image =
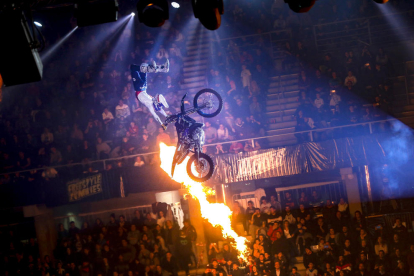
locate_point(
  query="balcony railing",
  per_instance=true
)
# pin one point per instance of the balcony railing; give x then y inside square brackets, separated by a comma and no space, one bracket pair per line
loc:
[369,127]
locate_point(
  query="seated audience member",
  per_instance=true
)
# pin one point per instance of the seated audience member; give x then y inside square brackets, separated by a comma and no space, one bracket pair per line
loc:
[381,245]
[236,147]
[343,265]
[264,205]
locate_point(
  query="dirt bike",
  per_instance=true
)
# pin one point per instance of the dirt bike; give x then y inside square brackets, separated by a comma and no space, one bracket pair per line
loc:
[200,167]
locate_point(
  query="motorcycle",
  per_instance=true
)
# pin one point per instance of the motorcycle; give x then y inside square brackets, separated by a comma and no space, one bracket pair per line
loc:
[200,167]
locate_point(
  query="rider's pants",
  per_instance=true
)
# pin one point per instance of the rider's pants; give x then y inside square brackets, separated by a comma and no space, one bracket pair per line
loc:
[139,80]
[146,99]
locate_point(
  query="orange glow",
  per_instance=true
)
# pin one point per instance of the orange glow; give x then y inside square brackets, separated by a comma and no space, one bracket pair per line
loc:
[218,214]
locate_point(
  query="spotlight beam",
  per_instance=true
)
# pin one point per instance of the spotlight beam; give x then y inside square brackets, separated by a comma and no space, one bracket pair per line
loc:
[47,54]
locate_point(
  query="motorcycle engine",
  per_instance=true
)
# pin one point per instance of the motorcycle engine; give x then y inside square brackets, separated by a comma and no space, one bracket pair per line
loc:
[198,136]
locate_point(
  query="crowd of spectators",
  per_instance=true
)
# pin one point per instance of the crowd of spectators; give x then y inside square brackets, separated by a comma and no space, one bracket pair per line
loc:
[339,91]
[85,108]
[331,90]
[322,232]
[150,244]
[330,241]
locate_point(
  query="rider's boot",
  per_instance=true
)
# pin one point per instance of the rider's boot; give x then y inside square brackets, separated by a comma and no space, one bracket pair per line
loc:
[148,67]
[159,103]
[164,68]
[161,100]
[164,126]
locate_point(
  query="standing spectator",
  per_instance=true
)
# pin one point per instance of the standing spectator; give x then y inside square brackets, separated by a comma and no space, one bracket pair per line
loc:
[184,249]
[246,77]
[256,222]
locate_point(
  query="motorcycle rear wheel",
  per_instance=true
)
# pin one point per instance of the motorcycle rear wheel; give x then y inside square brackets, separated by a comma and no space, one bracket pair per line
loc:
[205,170]
[205,95]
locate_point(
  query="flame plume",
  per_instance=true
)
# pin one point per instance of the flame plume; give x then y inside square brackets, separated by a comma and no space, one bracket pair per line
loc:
[217,214]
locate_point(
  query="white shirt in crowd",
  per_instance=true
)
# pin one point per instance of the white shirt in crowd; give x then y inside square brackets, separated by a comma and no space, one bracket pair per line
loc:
[246,77]
[107,116]
[319,102]
[335,99]
[139,163]
[287,234]
[290,218]
[122,111]
[103,147]
[223,134]
[161,222]
[311,123]
[342,207]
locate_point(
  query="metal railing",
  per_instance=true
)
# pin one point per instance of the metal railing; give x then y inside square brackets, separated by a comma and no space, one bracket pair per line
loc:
[345,33]
[311,132]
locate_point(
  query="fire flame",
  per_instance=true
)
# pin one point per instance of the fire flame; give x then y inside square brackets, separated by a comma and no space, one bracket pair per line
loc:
[217,214]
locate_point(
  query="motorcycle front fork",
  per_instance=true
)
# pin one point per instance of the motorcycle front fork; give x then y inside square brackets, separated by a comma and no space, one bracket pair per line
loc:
[197,149]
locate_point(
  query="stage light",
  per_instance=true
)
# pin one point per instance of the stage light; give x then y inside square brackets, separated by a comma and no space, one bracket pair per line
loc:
[300,6]
[37,24]
[18,48]
[175,5]
[96,12]
[152,13]
[132,14]
[208,12]
[381,1]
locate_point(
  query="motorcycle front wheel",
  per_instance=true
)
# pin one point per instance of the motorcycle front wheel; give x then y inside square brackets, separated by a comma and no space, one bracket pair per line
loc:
[213,101]
[202,170]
